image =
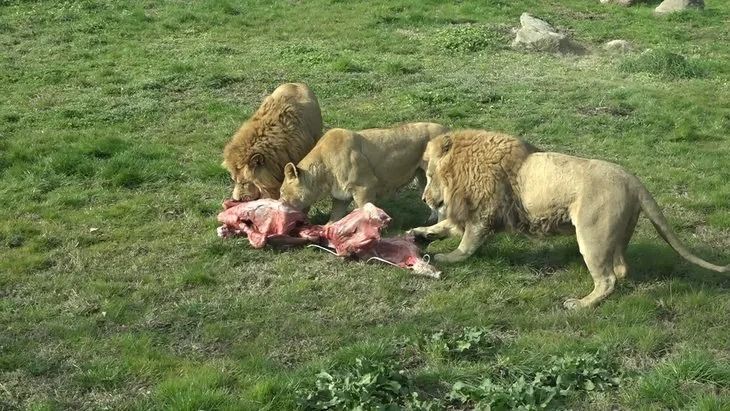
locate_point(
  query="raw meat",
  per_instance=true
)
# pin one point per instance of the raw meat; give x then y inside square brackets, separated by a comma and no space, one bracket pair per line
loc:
[268,221]
[259,220]
[357,232]
[402,252]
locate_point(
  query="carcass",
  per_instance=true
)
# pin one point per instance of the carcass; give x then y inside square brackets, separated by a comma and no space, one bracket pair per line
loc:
[263,221]
[357,235]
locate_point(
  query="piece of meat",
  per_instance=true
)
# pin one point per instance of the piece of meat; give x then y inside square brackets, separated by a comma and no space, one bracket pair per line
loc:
[355,233]
[259,220]
[402,252]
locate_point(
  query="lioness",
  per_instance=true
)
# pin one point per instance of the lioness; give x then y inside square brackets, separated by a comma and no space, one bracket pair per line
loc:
[363,166]
[486,181]
[283,129]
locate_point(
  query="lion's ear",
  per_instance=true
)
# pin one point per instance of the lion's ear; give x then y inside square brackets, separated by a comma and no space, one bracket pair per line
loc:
[446,144]
[256,160]
[290,171]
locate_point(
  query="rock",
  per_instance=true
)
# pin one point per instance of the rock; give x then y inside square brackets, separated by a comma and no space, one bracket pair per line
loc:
[538,35]
[621,2]
[621,46]
[670,6]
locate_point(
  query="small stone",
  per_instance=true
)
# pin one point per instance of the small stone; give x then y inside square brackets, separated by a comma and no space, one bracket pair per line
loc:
[670,6]
[621,46]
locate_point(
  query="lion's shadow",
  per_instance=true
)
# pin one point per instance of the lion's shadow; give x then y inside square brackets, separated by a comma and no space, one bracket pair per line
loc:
[648,260]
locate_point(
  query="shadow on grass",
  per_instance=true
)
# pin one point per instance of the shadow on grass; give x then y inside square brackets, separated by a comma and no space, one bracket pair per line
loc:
[649,262]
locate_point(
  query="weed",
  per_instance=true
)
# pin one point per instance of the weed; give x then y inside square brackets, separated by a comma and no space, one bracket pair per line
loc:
[468,38]
[469,343]
[663,63]
[365,385]
[565,376]
[347,65]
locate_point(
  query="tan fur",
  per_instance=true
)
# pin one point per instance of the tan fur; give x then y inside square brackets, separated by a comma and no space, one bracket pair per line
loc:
[283,129]
[364,166]
[485,182]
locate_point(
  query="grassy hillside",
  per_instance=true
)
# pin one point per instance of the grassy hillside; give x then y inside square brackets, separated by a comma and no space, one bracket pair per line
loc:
[115,292]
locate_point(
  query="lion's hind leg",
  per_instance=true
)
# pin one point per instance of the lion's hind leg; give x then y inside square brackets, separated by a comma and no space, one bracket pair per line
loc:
[600,265]
[596,244]
[620,266]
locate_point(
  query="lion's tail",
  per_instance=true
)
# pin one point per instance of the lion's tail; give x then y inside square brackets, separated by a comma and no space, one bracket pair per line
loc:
[651,209]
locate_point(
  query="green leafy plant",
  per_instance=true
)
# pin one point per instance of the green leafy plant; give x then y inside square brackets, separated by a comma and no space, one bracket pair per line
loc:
[470,342]
[366,385]
[562,377]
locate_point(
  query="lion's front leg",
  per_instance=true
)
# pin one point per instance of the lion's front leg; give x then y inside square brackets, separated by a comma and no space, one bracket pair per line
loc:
[444,228]
[339,209]
[470,242]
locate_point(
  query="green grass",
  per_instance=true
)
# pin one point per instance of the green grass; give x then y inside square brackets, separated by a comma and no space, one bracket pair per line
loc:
[115,292]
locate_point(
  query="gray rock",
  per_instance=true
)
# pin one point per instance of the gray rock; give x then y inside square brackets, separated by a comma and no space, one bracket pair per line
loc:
[670,6]
[621,2]
[538,35]
[620,46]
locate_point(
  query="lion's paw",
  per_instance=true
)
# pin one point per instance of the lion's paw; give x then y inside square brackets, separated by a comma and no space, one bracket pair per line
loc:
[417,231]
[449,258]
[572,304]
[420,232]
[441,258]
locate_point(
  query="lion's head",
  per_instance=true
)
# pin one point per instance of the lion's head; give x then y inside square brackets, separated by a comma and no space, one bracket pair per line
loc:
[283,129]
[297,190]
[471,172]
[250,170]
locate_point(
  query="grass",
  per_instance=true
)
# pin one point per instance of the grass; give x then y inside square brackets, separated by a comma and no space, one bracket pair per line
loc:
[115,292]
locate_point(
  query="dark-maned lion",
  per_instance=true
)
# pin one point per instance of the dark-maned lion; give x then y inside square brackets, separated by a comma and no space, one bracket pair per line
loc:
[283,129]
[486,181]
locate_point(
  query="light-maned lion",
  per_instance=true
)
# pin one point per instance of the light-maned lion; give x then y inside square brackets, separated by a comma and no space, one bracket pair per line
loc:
[361,166]
[486,181]
[283,129]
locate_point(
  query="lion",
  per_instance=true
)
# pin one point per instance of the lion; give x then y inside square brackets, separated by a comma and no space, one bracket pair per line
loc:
[484,182]
[362,166]
[283,129]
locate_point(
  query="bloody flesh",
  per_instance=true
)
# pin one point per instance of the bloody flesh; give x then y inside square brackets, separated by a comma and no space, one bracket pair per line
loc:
[268,221]
[260,220]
